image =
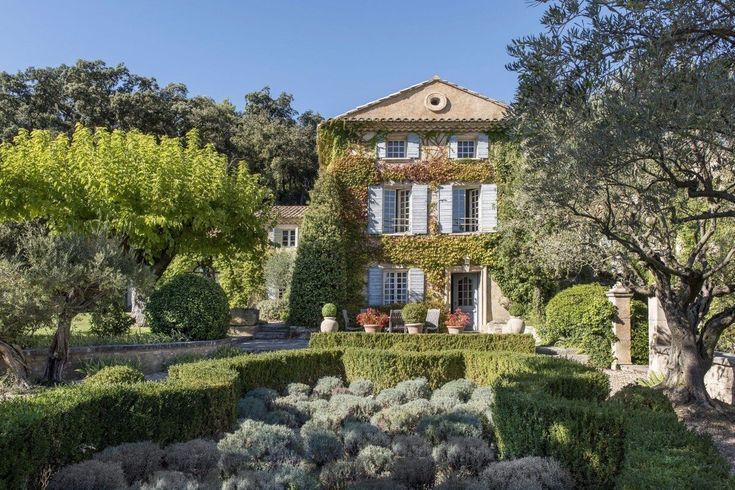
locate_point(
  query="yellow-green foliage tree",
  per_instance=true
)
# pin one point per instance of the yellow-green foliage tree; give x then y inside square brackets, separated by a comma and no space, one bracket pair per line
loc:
[164,196]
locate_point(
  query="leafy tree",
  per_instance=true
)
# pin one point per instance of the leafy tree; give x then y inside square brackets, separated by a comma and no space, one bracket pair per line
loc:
[60,276]
[626,115]
[269,134]
[320,269]
[161,196]
[279,145]
[278,271]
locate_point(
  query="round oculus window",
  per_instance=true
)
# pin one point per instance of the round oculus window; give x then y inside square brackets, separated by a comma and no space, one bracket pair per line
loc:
[435,101]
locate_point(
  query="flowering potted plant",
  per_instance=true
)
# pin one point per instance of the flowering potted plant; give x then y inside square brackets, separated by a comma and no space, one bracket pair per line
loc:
[329,324]
[372,320]
[457,321]
[414,316]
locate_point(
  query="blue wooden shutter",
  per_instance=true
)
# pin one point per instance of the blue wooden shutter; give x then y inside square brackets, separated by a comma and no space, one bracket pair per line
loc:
[419,208]
[488,208]
[413,145]
[453,146]
[375,209]
[380,148]
[415,285]
[458,204]
[375,286]
[445,208]
[482,149]
[389,210]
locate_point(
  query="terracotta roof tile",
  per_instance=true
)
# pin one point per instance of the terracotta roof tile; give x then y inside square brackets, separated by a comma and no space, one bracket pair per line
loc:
[290,211]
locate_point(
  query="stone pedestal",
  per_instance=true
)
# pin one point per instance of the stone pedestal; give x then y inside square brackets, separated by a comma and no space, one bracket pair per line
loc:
[659,336]
[621,298]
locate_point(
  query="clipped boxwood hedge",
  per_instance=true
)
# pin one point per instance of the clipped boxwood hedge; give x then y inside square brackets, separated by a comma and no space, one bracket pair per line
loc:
[543,406]
[429,342]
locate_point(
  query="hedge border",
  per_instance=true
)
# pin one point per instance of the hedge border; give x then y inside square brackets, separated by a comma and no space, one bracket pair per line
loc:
[429,342]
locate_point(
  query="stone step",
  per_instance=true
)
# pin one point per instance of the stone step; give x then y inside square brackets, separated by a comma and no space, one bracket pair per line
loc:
[273,332]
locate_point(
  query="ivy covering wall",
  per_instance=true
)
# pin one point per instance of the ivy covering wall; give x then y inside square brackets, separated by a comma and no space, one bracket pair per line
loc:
[346,154]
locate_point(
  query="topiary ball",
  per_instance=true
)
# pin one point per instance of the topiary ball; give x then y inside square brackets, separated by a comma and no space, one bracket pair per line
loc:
[189,304]
[329,310]
[115,374]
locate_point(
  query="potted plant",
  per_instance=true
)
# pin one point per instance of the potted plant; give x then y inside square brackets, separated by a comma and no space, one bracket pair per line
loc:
[372,320]
[329,324]
[457,321]
[414,317]
[515,324]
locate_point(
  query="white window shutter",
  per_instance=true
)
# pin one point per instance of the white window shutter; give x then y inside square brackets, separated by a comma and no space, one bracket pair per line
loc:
[375,209]
[482,149]
[413,145]
[488,208]
[419,209]
[375,286]
[458,205]
[453,146]
[272,235]
[415,285]
[445,208]
[389,210]
[272,292]
[278,236]
[380,148]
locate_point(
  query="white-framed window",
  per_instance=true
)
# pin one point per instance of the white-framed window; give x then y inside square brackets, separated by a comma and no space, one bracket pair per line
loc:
[403,211]
[466,209]
[281,292]
[288,237]
[395,287]
[466,148]
[395,148]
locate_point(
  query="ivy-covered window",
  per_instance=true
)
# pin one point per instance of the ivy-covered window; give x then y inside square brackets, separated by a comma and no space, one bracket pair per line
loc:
[466,149]
[395,149]
[395,287]
[288,238]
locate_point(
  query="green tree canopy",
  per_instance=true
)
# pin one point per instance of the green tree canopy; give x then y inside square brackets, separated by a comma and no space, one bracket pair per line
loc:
[626,115]
[163,196]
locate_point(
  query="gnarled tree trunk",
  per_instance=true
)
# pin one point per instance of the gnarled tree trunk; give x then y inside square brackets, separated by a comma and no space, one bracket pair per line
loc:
[686,367]
[58,353]
[13,357]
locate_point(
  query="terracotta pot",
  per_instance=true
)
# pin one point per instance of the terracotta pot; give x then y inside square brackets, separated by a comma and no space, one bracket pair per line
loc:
[414,328]
[372,328]
[329,324]
[515,325]
[454,329]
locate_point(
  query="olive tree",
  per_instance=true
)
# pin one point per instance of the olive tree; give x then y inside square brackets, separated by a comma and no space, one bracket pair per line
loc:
[625,113]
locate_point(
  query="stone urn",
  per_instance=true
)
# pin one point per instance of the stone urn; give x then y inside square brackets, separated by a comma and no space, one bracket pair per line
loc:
[372,328]
[415,328]
[455,329]
[515,325]
[329,324]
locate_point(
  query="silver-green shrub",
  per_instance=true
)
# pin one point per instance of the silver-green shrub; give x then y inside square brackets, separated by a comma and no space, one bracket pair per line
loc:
[197,457]
[403,418]
[458,388]
[413,389]
[327,386]
[358,435]
[266,394]
[89,475]
[338,474]
[298,389]
[250,407]
[322,446]
[440,428]
[530,473]
[138,460]
[414,472]
[256,445]
[361,387]
[165,480]
[375,461]
[411,446]
[390,397]
[463,456]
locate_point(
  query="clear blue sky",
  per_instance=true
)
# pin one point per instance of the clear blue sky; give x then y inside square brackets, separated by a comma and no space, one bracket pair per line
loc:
[331,55]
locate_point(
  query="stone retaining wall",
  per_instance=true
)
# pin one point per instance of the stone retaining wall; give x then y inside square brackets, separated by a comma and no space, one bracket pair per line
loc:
[149,358]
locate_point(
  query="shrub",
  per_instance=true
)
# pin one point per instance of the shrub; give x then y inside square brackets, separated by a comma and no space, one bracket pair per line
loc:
[390,397]
[110,320]
[277,272]
[250,407]
[463,455]
[642,397]
[298,389]
[403,418]
[414,313]
[359,435]
[413,389]
[273,310]
[137,459]
[335,475]
[322,446]
[361,387]
[327,386]
[527,473]
[442,427]
[429,342]
[375,461]
[329,310]
[414,472]
[411,446]
[197,457]
[190,304]
[115,374]
[256,445]
[320,269]
[581,316]
[267,395]
[348,406]
[458,388]
[164,480]
[89,475]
